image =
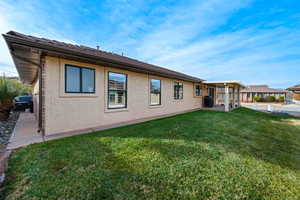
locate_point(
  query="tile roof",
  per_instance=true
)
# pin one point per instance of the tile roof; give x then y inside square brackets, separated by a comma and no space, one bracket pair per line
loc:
[98,55]
[295,87]
[265,86]
[222,83]
[262,89]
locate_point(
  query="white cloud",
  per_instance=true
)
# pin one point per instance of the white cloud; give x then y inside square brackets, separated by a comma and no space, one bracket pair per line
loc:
[185,37]
[184,24]
[6,63]
[251,55]
[185,43]
[12,18]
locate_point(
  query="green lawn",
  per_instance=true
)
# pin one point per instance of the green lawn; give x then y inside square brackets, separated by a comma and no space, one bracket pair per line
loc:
[199,155]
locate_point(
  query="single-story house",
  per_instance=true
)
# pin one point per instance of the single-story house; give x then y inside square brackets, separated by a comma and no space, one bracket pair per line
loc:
[248,93]
[296,91]
[79,88]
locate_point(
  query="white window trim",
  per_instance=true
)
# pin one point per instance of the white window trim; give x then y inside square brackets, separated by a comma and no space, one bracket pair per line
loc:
[149,92]
[201,91]
[173,85]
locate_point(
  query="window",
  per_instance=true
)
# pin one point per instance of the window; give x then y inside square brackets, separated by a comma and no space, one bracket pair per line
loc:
[112,97]
[72,79]
[211,92]
[79,79]
[197,90]
[178,90]
[117,90]
[87,79]
[120,98]
[155,92]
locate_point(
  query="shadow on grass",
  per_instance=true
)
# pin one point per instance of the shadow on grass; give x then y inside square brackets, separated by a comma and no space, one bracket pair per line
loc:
[243,131]
[170,158]
[93,173]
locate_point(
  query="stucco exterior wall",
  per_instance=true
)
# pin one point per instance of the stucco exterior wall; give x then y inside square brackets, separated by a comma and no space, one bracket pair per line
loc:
[35,94]
[296,96]
[69,112]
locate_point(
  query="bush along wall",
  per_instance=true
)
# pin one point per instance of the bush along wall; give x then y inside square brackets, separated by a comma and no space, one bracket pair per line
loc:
[280,99]
[258,99]
[9,89]
[269,99]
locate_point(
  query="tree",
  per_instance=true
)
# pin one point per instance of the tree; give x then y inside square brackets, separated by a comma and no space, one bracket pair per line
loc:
[9,89]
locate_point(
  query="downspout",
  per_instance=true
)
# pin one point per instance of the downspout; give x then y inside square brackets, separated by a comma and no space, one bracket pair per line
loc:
[41,127]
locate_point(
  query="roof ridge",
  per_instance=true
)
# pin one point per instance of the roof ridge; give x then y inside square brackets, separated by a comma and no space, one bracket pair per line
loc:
[97,52]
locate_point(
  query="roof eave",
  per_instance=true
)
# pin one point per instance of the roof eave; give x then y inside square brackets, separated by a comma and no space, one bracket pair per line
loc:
[235,82]
[27,71]
[48,48]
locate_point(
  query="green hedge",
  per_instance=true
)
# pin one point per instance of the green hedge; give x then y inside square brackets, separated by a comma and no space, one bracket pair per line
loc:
[268,99]
[258,99]
[280,99]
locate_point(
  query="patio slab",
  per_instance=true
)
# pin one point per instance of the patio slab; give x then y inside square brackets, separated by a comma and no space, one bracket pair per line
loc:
[25,132]
[291,109]
[26,129]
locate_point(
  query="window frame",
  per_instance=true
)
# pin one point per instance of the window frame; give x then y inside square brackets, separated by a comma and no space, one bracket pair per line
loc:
[159,104]
[195,90]
[126,90]
[174,84]
[80,80]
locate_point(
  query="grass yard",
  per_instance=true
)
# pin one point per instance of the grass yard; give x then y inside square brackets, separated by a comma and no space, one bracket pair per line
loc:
[199,155]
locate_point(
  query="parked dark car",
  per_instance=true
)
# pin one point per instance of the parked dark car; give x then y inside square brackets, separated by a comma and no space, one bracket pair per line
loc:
[23,102]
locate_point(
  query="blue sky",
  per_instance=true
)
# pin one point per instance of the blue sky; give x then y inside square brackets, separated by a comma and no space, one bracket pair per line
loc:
[256,42]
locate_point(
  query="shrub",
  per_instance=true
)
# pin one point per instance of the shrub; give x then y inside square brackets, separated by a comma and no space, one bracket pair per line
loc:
[258,99]
[270,99]
[9,89]
[280,99]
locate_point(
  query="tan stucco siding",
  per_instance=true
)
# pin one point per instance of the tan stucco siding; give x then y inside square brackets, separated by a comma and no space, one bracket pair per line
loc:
[35,94]
[69,112]
[296,96]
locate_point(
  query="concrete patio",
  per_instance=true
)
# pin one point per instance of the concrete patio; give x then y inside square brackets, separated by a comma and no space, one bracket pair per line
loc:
[25,132]
[292,109]
[26,129]
[215,108]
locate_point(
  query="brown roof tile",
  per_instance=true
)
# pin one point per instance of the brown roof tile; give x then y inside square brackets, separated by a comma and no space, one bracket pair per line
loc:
[99,54]
[294,88]
[262,89]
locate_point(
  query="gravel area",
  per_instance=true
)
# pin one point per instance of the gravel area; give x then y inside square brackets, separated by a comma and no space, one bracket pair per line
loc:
[6,129]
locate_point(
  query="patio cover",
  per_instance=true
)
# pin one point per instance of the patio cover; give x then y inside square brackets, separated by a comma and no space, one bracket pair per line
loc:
[226,85]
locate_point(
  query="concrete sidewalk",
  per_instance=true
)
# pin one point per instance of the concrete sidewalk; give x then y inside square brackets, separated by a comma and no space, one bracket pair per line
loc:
[291,109]
[26,128]
[25,132]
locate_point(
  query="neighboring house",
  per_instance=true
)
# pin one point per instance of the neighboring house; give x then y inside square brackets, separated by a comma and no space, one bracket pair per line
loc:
[248,93]
[81,88]
[11,77]
[296,92]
